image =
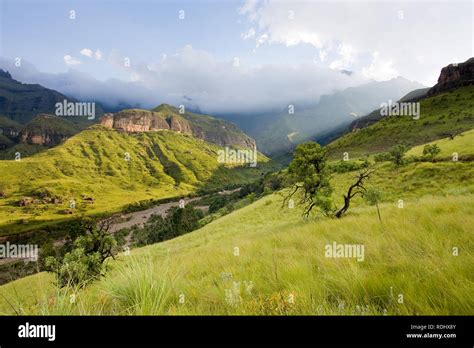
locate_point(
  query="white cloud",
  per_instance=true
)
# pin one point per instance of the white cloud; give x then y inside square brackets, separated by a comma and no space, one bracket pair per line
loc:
[380,69]
[249,9]
[98,54]
[439,30]
[91,54]
[346,53]
[87,52]
[323,54]
[248,34]
[69,60]
[214,85]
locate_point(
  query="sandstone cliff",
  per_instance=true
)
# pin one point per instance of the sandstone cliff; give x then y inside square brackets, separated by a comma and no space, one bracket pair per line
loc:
[47,130]
[453,76]
[166,117]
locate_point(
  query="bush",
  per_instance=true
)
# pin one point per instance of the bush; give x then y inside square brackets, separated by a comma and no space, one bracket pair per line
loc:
[349,166]
[431,151]
[382,157]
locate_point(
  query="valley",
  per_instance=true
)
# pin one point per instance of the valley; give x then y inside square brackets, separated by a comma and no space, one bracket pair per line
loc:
[198,232]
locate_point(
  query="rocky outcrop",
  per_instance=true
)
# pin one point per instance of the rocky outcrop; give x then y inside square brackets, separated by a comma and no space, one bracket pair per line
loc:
[168,118]
[454,76]
[135,120]
[47,130]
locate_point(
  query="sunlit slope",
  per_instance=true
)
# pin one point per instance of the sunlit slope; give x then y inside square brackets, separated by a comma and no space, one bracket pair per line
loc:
[462,145]
[447,113]
[266,259]
[113,169]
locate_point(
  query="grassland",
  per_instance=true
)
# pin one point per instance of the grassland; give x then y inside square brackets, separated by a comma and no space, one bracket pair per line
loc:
[462,144]
[281,266]
[93,164]
[451,112]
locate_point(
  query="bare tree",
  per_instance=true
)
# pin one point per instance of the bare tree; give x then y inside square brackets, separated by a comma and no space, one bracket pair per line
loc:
[355,189]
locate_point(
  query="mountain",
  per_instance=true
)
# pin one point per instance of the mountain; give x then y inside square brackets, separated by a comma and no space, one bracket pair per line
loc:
[454,76]
[47,130]
[445,109]
[167,117]
[451,77]
[21,102]
[279,132]
[39,134]
[114,168]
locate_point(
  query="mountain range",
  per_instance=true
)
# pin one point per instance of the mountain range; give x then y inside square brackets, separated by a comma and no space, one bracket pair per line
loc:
[279,132]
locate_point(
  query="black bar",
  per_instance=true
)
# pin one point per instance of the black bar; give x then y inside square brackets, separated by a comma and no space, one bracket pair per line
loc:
[135,331]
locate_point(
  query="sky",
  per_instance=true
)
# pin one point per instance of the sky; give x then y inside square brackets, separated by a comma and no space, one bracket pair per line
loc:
[228,56]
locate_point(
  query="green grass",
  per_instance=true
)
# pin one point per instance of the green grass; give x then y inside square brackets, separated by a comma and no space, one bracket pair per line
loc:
[463,144]
[92,163]
[450,112]
[411,254]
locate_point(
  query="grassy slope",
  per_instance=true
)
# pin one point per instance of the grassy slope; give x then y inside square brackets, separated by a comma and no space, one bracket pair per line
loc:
[463,144]
[283,255]
[451,112]
[93,163]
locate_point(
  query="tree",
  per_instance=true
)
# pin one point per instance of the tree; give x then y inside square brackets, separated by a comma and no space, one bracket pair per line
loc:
[309,173]
[357,188]
[397,154]
[373,197]
[86,261]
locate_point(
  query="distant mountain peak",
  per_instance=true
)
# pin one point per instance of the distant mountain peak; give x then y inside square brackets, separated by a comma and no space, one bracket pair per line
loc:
[5,74]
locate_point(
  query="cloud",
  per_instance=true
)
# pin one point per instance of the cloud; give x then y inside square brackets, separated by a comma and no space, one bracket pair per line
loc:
[346,53]
[98,54]
[69,60]
[380,69]
[439,30]
[91,54]
[192,76]
[248,34]
[87,52]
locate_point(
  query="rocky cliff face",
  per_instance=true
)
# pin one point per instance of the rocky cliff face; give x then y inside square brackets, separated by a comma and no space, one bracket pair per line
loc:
[453,76]
[167,118]
[46,130]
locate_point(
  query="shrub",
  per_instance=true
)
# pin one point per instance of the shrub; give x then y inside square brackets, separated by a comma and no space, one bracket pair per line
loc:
[382,157]
[431,151]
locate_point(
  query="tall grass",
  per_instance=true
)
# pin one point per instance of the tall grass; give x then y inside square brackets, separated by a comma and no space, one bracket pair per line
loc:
[281,268]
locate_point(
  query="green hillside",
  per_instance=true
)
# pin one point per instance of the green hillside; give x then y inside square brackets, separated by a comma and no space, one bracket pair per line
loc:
[447,113]
[50,124]
[281,266]
[92,169]
[462,144]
